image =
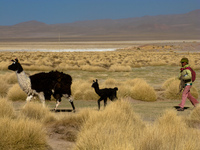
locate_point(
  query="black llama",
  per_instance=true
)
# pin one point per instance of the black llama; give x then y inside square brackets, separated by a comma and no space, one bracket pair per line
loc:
[105,93]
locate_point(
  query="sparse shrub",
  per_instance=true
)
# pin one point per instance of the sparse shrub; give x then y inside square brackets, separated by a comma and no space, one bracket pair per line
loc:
[4,65]
[82,90]
[7,109]
[90,94]
[92,68]
[3,87]
[194,118]
[117,127]
[168,82]
[10,78]
[36,111]
[15,93]
[170,132]
[119,68]
[110,82]
[124,91]
[142,91]
[21,134]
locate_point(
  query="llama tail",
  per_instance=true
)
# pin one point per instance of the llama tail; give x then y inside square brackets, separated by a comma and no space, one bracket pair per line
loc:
[115,88]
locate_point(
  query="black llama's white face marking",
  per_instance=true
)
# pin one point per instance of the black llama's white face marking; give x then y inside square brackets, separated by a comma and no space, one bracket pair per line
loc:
[15,66]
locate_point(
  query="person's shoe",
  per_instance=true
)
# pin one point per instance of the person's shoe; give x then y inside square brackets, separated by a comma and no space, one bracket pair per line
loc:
[180,109]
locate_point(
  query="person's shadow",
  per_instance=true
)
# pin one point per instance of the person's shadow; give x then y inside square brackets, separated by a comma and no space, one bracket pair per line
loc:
[177,107]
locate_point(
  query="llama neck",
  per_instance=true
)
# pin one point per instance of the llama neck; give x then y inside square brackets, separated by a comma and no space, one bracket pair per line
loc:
[96,88]
[24,81]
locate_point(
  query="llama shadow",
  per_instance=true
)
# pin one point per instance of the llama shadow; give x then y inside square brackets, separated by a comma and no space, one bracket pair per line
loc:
[61,110]
[177,107]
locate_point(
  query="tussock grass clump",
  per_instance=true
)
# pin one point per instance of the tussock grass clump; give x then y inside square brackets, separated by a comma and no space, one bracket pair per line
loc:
[195,114]
[194,119]
[36,111]
[82,90]
[15,93]
[38,68]
[168,82]
[172,89]
[21,134]
[92,68]
[9,78]
[143,91]
[3,87]
[110,82]
[170,132]
[120,68]
[4,65]
[7,109]
[117,127]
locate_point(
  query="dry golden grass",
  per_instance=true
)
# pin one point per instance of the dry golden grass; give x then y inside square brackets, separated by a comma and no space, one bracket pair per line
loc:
[9,78]
[143,91]
[120,68]
[21,134]
[15,93]
[117,61]
[118,127]
[7,109]
[193,120]
[82,90]
[3,87]
[36,111]
[170,132]
[108,128]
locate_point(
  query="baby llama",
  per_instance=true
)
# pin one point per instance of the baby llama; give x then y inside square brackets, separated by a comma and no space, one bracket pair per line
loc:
[105,93]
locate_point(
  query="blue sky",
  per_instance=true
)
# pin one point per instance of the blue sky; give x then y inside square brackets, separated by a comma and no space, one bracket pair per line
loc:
[66,11]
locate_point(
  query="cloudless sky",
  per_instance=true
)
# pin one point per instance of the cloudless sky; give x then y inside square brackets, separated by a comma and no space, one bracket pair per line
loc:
[67,11]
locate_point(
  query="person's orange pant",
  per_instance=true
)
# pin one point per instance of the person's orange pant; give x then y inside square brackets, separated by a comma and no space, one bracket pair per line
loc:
[186,94]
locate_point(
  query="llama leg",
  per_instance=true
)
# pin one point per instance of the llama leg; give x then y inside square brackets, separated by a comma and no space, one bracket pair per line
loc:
[70,98]
[29,97]
[99,102]
[58,100]
[42,98]
[105,102]
[57,104]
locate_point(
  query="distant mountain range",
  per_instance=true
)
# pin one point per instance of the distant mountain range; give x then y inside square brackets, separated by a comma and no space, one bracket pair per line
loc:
[161,27]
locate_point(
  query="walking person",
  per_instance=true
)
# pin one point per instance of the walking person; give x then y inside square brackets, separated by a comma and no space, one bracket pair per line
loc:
[187,75]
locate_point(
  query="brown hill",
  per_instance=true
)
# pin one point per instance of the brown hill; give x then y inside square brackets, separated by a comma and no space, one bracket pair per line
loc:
[165,27]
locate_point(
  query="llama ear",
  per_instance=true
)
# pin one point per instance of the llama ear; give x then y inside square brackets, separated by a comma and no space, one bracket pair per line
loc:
[12,60]
[96,80]
[93,81]
[16,59]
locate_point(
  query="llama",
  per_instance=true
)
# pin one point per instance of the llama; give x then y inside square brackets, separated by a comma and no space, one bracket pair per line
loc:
[110,93]
[43,84]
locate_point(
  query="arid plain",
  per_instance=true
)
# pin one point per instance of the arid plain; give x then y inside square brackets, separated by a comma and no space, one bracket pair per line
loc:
[145,73]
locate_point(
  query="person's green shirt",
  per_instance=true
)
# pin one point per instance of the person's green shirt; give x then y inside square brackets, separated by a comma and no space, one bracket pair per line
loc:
[186,75]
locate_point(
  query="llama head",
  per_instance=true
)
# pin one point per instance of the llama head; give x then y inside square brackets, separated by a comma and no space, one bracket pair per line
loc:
[95,84]
[15,66]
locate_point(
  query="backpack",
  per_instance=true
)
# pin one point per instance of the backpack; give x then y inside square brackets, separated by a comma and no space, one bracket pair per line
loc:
[193,73]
